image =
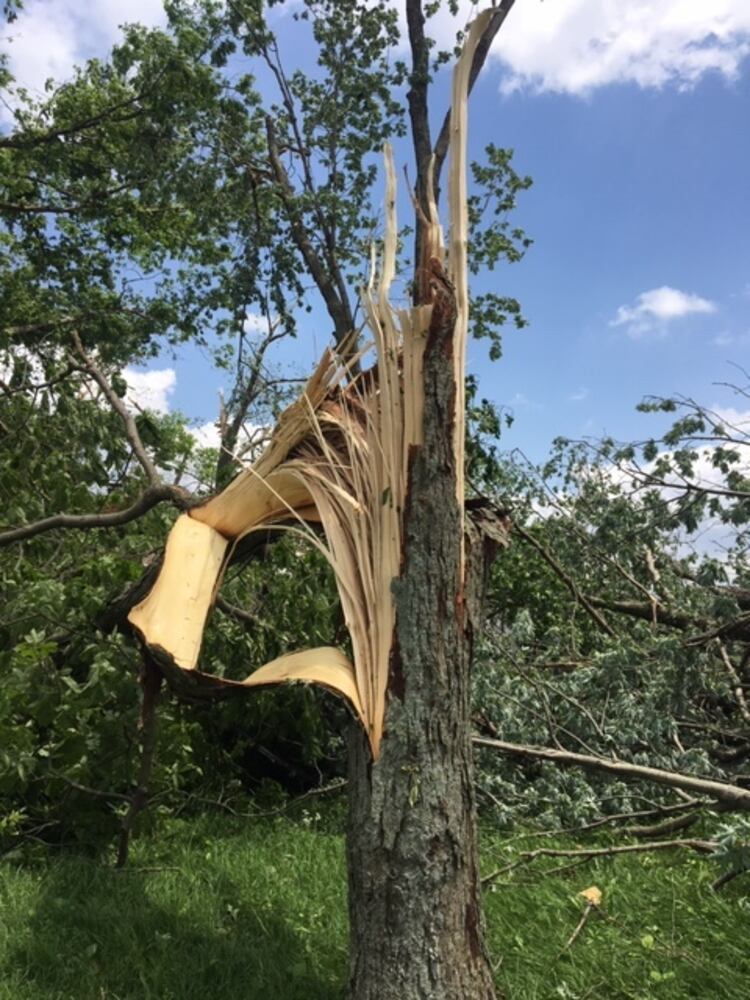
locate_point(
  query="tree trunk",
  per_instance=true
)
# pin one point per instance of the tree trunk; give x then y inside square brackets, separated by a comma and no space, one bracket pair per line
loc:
[416,924]
[151,682]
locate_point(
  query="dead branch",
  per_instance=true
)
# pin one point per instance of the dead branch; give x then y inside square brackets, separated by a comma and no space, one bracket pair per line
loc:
[736,680]
[588,853]
[729,795]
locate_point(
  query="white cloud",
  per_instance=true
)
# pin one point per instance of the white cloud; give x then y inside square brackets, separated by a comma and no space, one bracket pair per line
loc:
[252,439]
[50,37]
[575,46]
[150,390]
[571,46]
[207,435]
[727,339]
[255,323]
[579,396]
[654,309]
[722,340]
[738,420]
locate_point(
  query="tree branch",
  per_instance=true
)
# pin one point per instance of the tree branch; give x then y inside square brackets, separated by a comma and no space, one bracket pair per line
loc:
[28,141]
[19,208]
[736,628]
[485,44]
[702,846]
[417,97]
[736,681]
[586,603]
[131,430]
[338,310]
[729,795]
[149,498]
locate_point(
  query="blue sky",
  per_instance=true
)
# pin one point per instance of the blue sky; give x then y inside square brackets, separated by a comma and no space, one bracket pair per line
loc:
[634,122]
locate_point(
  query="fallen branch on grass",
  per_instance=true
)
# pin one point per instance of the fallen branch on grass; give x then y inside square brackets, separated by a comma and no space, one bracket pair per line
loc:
[721,791]
[587,853]
[729,876]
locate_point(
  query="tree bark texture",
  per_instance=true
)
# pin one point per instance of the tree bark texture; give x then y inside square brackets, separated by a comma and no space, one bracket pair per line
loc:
[415,918]
[151,682]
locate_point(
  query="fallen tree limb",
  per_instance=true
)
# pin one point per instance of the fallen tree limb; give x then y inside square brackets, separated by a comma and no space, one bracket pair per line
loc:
[666,826]
[587,853]
[618,818]
[721,791]
[585,602]
[728,876]
[706,630]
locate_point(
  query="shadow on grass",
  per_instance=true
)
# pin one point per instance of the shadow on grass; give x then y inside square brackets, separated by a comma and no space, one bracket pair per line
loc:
[98,934]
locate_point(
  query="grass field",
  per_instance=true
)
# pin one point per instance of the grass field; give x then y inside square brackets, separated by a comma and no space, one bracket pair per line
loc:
[228,908]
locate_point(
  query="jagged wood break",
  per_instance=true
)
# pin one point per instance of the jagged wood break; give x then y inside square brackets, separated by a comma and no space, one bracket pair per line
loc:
[338,457]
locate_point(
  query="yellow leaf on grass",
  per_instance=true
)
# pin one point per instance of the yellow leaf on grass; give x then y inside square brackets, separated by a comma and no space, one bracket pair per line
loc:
[592,895]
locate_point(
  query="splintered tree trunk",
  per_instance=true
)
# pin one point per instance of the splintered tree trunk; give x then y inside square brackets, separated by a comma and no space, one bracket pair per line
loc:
[415,917]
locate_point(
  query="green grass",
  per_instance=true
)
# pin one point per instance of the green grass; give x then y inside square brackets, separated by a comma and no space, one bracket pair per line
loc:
[220,908]
[662,932]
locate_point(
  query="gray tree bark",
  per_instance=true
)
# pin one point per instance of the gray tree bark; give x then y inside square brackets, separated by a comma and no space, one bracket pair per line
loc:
[415,917]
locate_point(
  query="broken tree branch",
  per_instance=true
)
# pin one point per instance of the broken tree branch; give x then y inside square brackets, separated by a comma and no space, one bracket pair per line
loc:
[586,603]
[587,853]
[736,680]
[729,795]
[482,51]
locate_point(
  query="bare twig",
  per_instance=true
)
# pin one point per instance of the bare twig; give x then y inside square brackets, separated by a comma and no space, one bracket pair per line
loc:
[94,792]
[577,932]
[587,853]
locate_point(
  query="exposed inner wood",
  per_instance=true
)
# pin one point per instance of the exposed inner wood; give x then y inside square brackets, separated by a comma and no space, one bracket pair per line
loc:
[340,455]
